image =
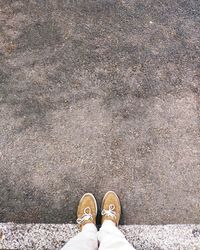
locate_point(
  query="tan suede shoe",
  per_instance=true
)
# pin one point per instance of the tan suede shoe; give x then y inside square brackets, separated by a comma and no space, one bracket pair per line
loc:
[87,210]
[111,208]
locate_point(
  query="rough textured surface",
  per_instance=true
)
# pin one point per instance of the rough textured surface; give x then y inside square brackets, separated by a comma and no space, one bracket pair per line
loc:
[98,95]
[49,236]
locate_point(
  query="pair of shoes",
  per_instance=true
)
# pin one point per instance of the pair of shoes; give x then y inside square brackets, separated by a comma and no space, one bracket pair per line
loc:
[87,209]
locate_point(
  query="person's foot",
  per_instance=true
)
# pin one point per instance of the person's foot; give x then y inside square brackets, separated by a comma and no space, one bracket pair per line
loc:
[87,210]
[111,208]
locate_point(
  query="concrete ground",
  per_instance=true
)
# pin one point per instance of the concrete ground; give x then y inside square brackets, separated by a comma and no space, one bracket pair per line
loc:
[98,95]
[142,237]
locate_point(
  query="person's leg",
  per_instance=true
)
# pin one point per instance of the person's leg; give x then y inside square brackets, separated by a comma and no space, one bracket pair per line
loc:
[87,238]
[109,236]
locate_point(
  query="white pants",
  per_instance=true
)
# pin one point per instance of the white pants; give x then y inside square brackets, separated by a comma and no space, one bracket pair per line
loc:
[109,237]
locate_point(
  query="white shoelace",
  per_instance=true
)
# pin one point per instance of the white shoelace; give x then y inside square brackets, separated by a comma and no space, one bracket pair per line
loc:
[110,212]
[86,216]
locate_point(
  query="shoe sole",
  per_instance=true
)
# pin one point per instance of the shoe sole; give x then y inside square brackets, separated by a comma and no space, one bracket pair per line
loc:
[92,198]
